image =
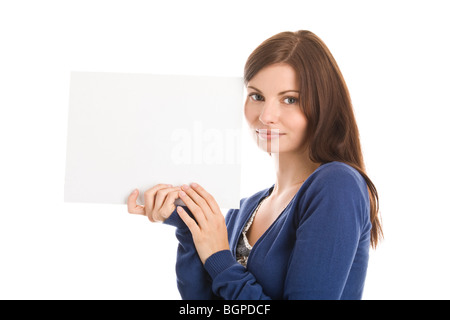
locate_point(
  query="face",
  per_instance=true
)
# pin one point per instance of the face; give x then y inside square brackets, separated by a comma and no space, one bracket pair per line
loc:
[272,109]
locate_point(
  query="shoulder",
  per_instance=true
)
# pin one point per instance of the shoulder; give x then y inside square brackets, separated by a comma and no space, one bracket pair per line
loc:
[334,195]
[335,186]
[337,176]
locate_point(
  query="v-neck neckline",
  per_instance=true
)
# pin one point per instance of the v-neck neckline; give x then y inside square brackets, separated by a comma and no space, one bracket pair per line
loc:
[261,198]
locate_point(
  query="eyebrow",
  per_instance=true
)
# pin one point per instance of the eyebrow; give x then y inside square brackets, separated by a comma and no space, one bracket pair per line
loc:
[281,93]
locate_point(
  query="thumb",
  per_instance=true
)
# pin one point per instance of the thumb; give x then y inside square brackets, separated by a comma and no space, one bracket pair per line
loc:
[133,207]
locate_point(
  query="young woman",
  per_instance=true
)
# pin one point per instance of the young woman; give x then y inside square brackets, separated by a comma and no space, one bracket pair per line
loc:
[307,236]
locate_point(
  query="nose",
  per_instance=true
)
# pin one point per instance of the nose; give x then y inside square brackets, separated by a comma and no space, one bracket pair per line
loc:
[269,113]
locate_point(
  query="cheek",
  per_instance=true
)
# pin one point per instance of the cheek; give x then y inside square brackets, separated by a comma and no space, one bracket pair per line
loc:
[299,124]
[302,123]
[249,113]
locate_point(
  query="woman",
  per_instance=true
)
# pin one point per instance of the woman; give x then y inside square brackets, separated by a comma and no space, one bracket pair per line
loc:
[307,236]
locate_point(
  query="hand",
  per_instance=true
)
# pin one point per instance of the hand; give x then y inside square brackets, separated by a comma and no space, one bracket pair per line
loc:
[159,202]
[210,232]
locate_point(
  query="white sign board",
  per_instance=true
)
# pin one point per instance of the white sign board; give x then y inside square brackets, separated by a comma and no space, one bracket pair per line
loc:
[129,131]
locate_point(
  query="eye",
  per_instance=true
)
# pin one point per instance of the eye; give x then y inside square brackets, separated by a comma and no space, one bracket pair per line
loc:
[290,100]
[256,97]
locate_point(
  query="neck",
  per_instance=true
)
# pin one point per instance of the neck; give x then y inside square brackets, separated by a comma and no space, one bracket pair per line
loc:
[292,169]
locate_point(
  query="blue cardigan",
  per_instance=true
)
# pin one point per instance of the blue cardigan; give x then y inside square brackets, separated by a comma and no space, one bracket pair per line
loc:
[317,248]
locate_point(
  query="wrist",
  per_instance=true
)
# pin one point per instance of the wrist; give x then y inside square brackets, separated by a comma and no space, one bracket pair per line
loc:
[223,248]
[218,262]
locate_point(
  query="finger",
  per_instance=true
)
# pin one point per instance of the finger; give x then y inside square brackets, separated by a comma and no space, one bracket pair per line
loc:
[170,200]
[149,196]
[161,196]
[198,199]
[194,208]
[133,207]
[212,203]
[190,223]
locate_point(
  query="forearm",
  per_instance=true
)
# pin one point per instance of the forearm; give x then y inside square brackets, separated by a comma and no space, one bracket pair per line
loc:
[232,281]
[193,281]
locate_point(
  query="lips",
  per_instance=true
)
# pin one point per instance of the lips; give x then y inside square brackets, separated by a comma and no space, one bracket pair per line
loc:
[269,133]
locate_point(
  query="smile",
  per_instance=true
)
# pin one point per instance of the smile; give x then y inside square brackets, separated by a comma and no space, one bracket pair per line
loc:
[269,134]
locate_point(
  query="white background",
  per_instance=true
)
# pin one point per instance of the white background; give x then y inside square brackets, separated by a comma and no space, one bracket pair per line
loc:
[394,57]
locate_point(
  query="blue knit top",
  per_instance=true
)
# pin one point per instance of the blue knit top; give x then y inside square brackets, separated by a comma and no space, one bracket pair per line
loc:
[317,248]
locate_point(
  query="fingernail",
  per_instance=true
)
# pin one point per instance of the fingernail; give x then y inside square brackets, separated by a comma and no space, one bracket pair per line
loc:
[182,193]
[135,190]
[184,187]
[193,184]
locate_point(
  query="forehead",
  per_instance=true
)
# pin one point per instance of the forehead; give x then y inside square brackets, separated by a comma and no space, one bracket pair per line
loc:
[275,78]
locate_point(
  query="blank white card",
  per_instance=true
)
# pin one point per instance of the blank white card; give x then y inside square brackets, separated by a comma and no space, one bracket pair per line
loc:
[129,131]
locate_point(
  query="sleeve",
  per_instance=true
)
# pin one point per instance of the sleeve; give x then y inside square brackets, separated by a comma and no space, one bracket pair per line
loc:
[326,240]
[193,281]
[231,280]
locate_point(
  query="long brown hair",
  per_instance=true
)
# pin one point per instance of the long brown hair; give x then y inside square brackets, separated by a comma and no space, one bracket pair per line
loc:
[332,131]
